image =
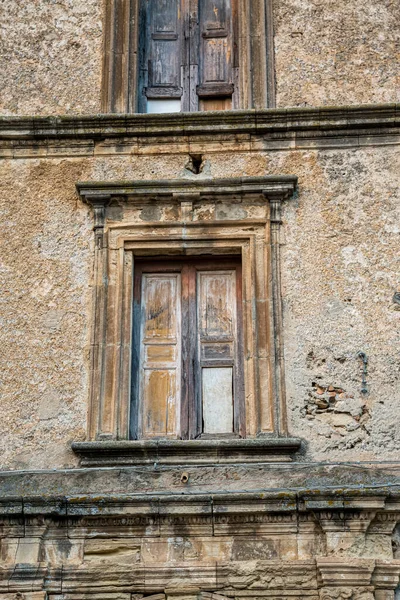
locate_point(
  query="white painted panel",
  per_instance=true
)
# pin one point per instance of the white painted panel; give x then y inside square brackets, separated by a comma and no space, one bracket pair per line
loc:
[217,400]
[163,106]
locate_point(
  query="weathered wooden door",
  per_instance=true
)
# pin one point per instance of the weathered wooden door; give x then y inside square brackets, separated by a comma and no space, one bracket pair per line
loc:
[188,363]
[187,55]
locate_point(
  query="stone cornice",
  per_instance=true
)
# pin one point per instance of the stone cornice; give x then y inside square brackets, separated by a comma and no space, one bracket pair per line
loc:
[251,121]
[99,193]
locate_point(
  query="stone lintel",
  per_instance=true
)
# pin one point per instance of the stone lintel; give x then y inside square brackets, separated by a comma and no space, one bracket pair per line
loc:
[99,193]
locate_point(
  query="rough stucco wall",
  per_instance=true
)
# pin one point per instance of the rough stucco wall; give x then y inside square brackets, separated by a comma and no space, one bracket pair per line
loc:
[327,52]
[340,271]
[336,52]
[50,55]
[45,278]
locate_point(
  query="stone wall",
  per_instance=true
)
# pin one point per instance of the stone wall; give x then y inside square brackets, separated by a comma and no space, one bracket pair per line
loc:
[339,269]
[327,53]
[50,57]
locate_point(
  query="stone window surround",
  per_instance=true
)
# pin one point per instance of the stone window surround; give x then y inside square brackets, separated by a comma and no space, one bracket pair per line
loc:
[117,242]
[120,56]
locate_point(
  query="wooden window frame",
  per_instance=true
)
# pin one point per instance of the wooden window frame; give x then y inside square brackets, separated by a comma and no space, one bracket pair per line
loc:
[256,71]
[187,230]
[191,405]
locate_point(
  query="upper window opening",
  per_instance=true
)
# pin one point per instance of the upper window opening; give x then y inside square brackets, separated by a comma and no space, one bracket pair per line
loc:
[188,55]
[165,56]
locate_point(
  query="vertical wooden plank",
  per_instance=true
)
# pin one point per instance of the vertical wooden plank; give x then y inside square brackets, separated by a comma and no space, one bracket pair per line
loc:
[194,368]
[216,47]
[235,55]
[194,53]
[161,55]
[135,381]
[160,356]
[217,330]
[187,387]
[142,58]
[239,378]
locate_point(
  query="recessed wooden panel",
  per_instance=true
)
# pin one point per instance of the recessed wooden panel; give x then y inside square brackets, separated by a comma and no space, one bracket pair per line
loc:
[216,301]
[159,294]
[217,400]
[217,329]
[217,351]
[159,403]
[160,354]
[216,45]
[163,48]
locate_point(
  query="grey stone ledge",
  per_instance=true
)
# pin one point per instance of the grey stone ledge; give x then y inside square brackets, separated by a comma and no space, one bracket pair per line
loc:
[186,452]
[100,192]
[102,126]
[251,482]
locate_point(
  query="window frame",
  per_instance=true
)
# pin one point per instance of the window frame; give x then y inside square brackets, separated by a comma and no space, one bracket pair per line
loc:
[190,405]
[256,72]
[119,242]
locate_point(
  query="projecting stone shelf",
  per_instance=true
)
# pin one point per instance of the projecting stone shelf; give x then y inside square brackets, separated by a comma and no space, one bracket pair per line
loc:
[186,452]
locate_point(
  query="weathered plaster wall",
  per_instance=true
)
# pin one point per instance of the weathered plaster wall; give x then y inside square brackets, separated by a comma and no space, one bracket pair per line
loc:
[327,53]
[340,272]
[330,52]
[50,55]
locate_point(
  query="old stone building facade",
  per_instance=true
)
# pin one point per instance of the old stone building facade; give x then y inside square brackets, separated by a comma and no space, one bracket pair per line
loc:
[200,300]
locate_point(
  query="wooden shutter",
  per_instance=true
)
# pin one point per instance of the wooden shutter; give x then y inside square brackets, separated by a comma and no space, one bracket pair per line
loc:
[161,49]
[160,355]
[216,49]
[217,337]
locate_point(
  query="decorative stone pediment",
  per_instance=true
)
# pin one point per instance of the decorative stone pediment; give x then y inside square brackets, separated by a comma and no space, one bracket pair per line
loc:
[196,217]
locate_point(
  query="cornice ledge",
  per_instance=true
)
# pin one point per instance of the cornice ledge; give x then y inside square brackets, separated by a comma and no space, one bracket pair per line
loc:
[96,193]
[103,126]
[185,452]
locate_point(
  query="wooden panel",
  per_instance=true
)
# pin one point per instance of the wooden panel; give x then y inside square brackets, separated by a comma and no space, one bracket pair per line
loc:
[160,370]
[163,48]
[217,330]
[217,302]
[216,48]
[217,400]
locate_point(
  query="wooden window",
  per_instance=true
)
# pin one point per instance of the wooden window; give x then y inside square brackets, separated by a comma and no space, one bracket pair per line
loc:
[187,349]
[187,55]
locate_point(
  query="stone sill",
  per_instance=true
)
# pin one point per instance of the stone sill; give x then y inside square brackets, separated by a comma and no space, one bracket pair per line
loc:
[185,452]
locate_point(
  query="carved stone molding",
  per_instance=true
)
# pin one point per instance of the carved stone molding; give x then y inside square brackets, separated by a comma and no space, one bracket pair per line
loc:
[347,594]
[213,216]
[350,572]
